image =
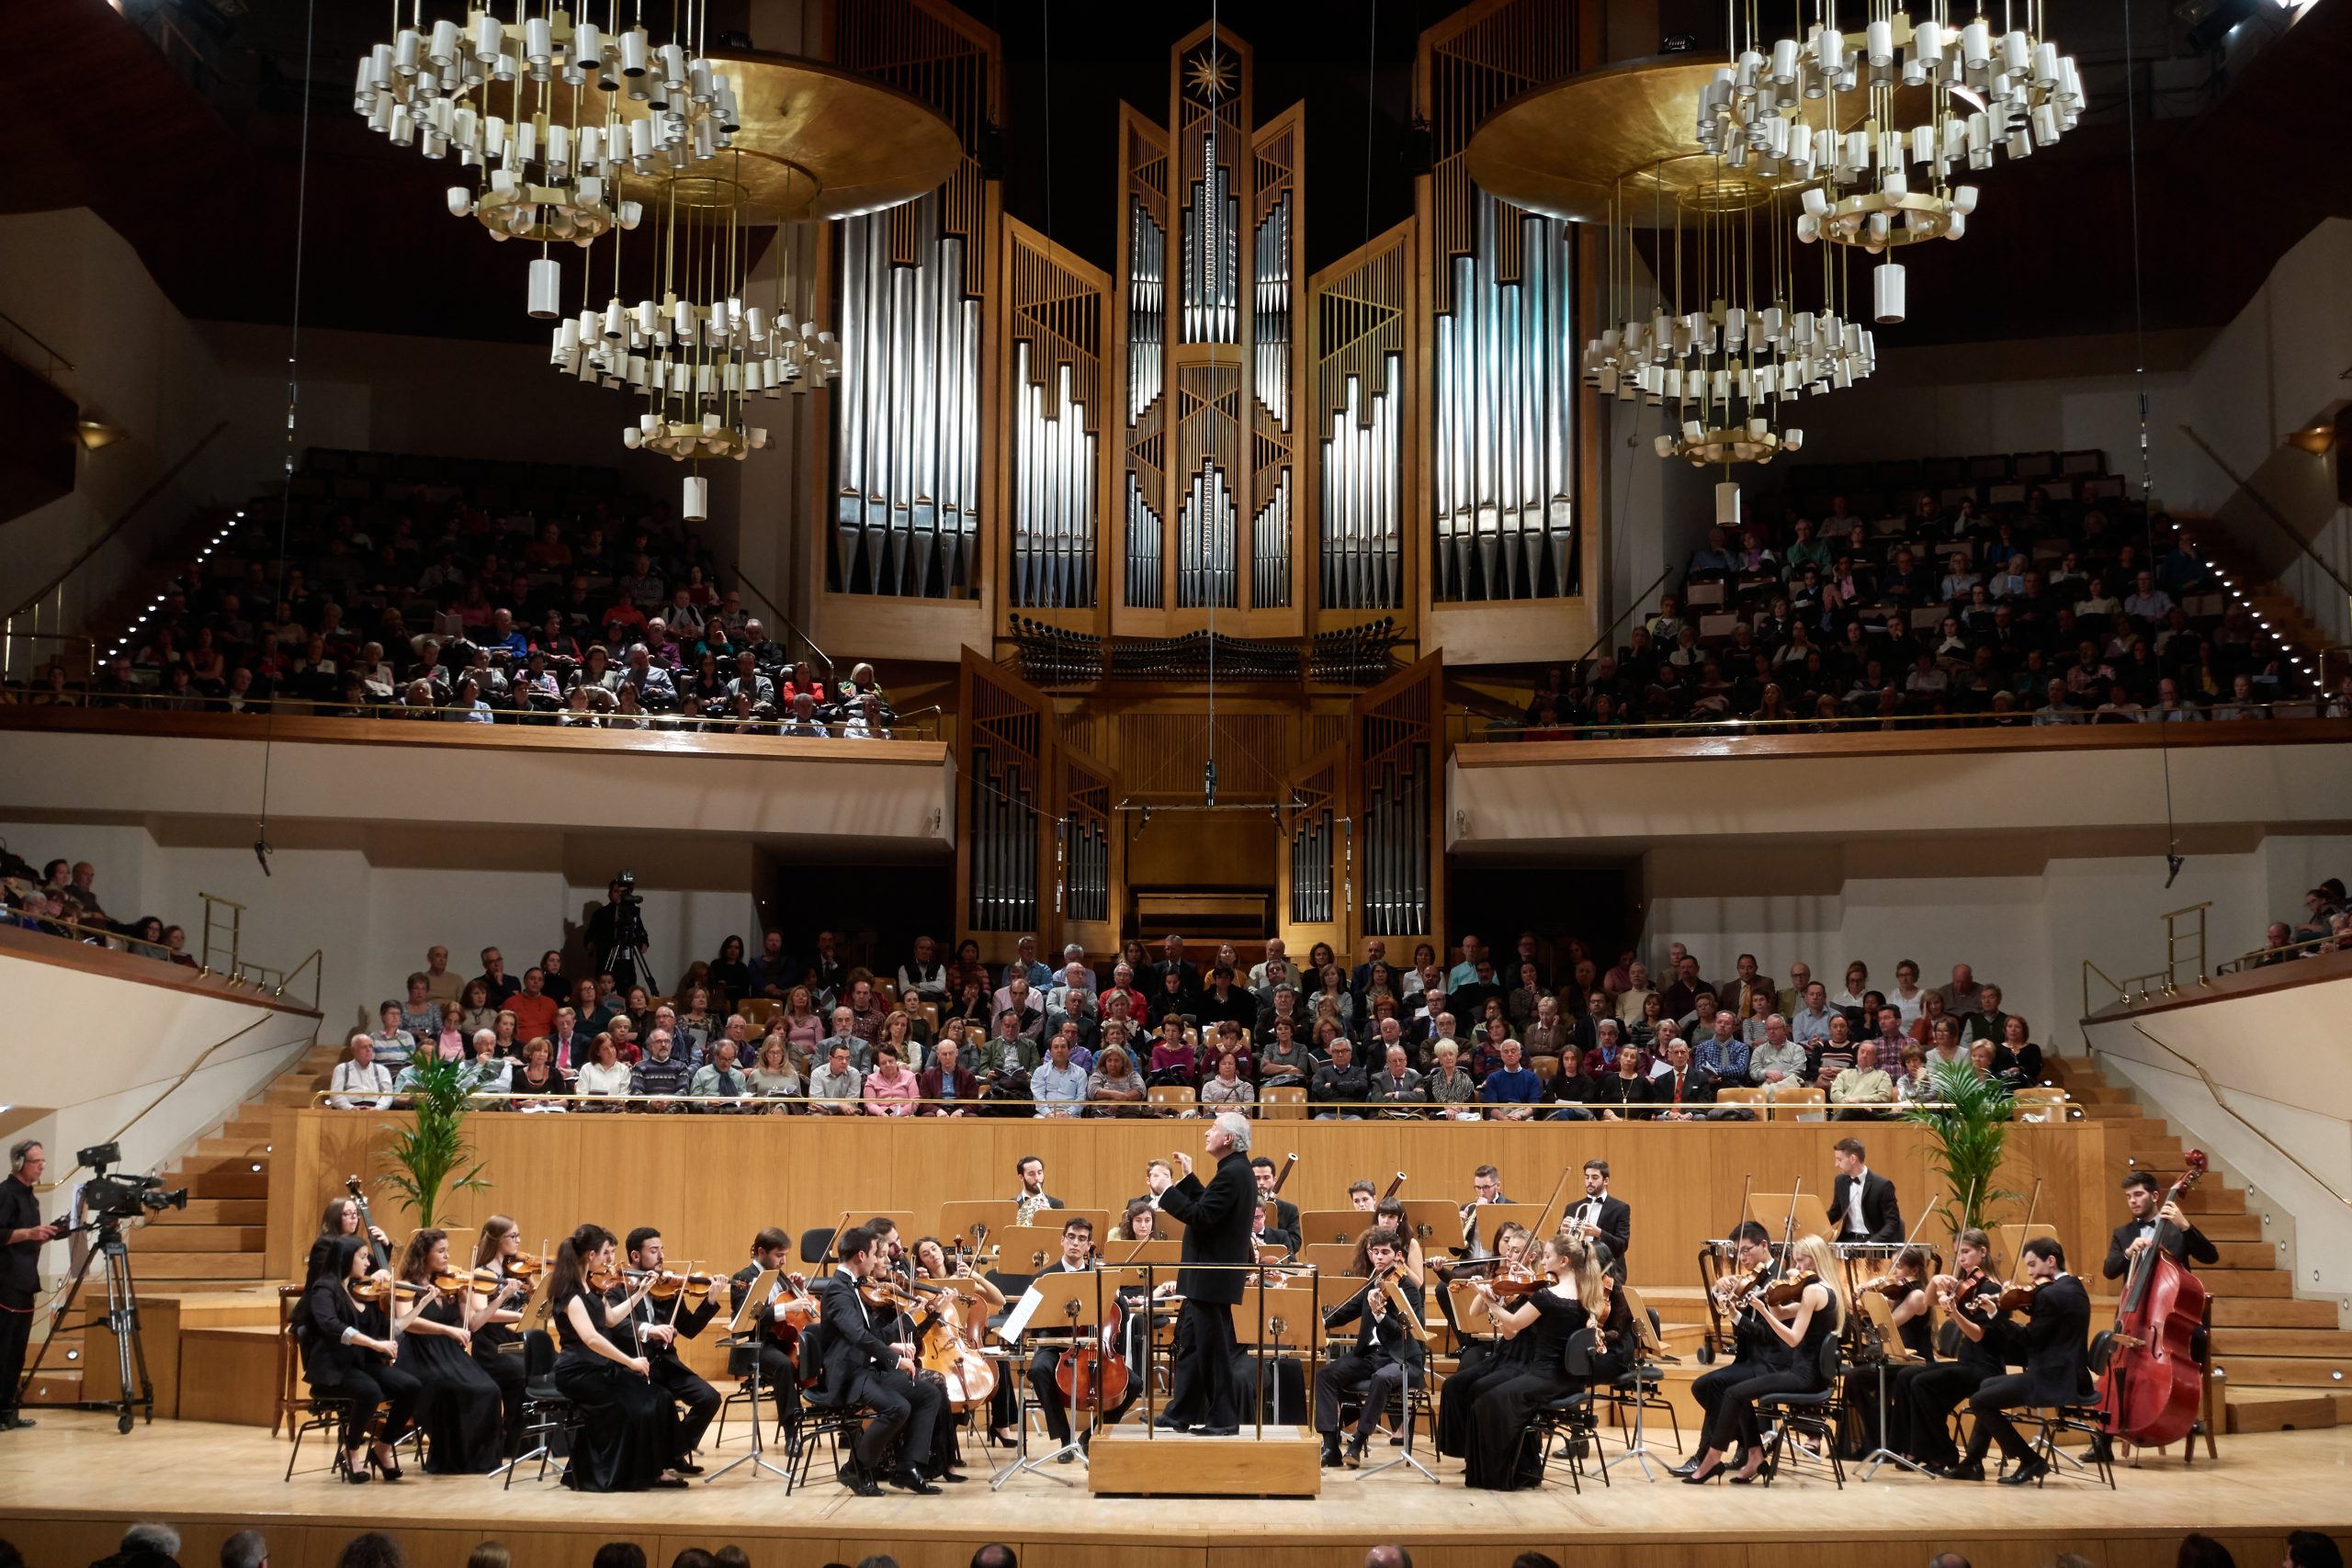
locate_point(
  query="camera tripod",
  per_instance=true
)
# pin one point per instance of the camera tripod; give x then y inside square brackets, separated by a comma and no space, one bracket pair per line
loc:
[122,1320]
[629,942]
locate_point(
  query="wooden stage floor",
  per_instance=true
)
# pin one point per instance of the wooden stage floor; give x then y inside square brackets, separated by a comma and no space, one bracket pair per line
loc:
[68,1486]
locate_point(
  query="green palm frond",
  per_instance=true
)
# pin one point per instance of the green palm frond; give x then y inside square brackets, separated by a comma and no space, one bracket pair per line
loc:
[1970,1128]
[430,1148]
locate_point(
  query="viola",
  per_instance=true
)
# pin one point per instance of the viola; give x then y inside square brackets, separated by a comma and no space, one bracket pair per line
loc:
[2150,1385]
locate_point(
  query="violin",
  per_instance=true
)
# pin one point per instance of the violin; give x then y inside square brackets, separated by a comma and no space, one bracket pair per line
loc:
[1893,1287]
[604,1279]
[669,1285]
[1786,1290]
[524,1266]
[1739,1286]
[2018,1297]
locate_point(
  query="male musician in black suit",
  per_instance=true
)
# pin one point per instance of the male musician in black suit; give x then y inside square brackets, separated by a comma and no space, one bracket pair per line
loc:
[1921,1396]
[1031,1172]
[775,1342]
[1283,1228]
[1216,1230]
[1078,1257]
[656,1324]
[1753,1345]
[1862,1201]
[1601,1216]
[2185,1242]
[861,1365]
[1386,1355]
[2051,1344]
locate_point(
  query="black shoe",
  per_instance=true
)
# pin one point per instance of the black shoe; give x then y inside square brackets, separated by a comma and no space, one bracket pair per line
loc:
[672,1481]
[910,1480]
[354,1473]
[1742,1477]
[951,1477]
[1966,1469]
[2026,1472]
[1331,1450]
[1695,1479]
[684,1467]
[1685,1468]
[1066,1457]
[1396,1439]
[858,1482]
[1165,1425]
[1217,1431]
[11,1421]
[1355,1451]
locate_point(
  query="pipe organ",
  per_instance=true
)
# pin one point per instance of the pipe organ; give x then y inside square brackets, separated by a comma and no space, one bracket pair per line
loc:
[1208,491]
[1057,303]
[1363,337]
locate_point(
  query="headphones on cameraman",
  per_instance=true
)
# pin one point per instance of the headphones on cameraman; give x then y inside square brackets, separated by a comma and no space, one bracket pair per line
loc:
[18,1154]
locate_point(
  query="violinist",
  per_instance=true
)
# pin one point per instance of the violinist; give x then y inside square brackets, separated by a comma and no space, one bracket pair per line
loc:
[342,1218]
[1474,1327]
[863,1366]
[1496,1351]
[1753,1345]
[1387,1354]
[1905,1287]
[656,1322]
[776,1341]
[499,1250]
[2145,1194]
[349,1351]
[1802,1313]
[2051,1343]
[1922,1398]
[1573,1293]
[628,1428]
[459,1404]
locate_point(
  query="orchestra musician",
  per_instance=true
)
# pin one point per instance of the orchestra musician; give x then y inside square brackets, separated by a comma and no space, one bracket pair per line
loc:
[861,1365]
[1473,1326]
[457,1403]
[1140,1223]
[341,1219]
[775,1342]
[1388,1213]
[2145,1194]
[954,1316]
[1487,1185]
[1496,1455]
[628,1430]
[1862,1201]
[1362,1195]
[1032,1196]
[1159,1175]
[1076,1257]
[1753,1345]
[1905,1286]
[1285,1220]
[1388,1354]
[1811,1317]
[2051,1344]
[1602,1216]
[655,1325]
[498,1246]
[350,1351]
[1216,1230]
[1922,1399]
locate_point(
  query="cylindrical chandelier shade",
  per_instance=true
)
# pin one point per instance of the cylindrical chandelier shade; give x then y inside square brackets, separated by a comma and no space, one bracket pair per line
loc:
[547,288]
[695,505]
[1886,291]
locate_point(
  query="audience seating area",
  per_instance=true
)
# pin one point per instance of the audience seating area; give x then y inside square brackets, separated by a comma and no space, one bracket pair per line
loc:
[2004,590]
[470,591]
[61,899]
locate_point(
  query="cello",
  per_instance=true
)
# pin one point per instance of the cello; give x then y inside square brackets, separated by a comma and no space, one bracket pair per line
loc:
[2150,1383]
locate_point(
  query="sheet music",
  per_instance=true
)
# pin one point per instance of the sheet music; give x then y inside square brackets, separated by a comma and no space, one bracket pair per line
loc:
[1018,1319]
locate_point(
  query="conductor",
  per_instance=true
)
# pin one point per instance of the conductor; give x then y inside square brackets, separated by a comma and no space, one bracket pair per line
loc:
[1216,1217]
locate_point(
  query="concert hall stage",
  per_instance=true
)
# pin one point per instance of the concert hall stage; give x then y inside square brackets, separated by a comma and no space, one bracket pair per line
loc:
[68,1487]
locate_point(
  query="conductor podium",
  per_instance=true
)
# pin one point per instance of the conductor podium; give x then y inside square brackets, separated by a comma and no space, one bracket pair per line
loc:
[1127,1460]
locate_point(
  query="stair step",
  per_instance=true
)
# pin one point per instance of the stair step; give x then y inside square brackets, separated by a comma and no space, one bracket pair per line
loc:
[2246,1253]
[293,1097]
[58,1384]
[214,1144]
[209,1266]
[245,1126]
[2330,1342]
[235,1183]
[214,1163]
[2212,1198]
[2240,1283]
[2273,1311]
[2231,1227]
[2112,1110]
[2287,1371]
[197,1238]
[229,1212]
[2278,1410]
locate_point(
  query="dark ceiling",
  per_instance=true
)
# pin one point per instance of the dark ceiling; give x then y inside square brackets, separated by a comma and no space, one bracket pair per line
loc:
[198,162]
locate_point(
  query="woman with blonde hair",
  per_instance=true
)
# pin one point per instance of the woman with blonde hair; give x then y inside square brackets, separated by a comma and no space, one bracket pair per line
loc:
[1810,1319]
[1503,1397]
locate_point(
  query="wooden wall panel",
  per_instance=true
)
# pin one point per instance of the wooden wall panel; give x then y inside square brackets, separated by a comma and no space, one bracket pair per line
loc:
[711,1182]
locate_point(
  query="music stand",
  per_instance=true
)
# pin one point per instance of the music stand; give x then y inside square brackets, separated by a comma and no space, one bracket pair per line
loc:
[967,1216]
[1295,1306]
[1648,1350]
[1330,1257]
[1139,1253]
[1029,1249]
[1436,1224]
[1891,1352]
[751,1312]
[2011,1239]
[1332,1227]
[1068,1307]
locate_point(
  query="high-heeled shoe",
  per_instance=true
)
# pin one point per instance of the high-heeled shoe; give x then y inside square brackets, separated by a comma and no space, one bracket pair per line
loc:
[1700,1478]
[356,1474]
[1746,1477]
[390,1469]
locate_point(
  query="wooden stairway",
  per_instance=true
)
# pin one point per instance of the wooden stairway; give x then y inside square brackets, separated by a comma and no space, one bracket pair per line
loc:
[2285,1363]
[2264,596]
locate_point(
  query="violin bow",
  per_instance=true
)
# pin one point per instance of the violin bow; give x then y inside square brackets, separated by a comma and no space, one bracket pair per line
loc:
[1543,1214]
[2031,1203]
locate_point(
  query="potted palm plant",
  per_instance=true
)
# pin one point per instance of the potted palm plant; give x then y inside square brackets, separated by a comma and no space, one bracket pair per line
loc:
[1968,1116]
[431,1147]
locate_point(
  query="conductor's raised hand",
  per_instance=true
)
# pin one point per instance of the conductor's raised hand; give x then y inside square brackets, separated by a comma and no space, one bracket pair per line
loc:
[1183,1164]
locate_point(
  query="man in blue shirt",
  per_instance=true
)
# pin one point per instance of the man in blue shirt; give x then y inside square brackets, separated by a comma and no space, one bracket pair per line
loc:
[1510,1090]
[1058,1088]
[1723,1052]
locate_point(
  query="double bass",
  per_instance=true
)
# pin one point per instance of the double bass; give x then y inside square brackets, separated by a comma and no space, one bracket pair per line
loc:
[2150,1384]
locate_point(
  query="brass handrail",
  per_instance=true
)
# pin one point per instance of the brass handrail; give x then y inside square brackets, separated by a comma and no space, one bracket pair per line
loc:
[123,518]
[186,1073]
[318,980]
[2309,947]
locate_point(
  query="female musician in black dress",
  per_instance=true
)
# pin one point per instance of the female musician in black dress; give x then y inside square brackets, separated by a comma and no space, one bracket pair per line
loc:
[1905,1286]
[350,1352]
[1481,1354]
[499,1243]
[459,1406]
[1496,1451]
[630,1434]
[342,1218]
[1812,1318]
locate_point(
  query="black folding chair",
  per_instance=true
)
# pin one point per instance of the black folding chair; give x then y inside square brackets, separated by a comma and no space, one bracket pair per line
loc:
[1814,1415]
[1569,1416]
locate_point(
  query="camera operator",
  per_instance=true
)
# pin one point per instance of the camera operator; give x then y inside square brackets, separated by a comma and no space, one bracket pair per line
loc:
[23,1234]
[615,932]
